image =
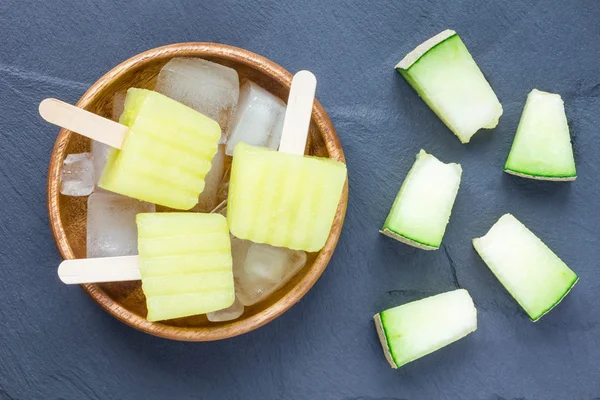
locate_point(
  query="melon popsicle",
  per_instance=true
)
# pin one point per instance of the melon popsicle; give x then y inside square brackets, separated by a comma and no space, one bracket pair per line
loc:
[166,154]
[185,264]
[284,198]
[162,149]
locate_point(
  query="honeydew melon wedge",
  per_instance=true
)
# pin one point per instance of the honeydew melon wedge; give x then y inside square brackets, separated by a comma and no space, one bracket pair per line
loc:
[445,75]
[542,146]
[527,268]
[413,330]
[424,203]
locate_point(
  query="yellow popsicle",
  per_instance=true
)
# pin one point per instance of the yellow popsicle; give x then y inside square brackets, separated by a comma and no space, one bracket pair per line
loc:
[284,200]
[166,154]
[185,263]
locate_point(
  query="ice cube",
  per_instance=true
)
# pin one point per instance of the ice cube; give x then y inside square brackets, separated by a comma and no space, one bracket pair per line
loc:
[118,104]
[111,228]
[208,198]
[77,175]
[99,156]
[223,189]
[239,251]
[258,120]
[264,270]
[239,247]
[209,88]
[235,311]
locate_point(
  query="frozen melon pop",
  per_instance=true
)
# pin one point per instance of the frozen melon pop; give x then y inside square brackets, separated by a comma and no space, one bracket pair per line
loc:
[284,198]
[184,263]
[162,149]
[445,75]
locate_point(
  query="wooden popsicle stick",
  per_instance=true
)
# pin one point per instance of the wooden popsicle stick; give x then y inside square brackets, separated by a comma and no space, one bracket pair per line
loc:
[107,269]
[299,111]
[83,122]
[95,270]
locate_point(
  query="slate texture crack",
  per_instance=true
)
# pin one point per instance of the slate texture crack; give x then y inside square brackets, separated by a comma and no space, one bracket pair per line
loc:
[38,77]
[409,292]
[452,267]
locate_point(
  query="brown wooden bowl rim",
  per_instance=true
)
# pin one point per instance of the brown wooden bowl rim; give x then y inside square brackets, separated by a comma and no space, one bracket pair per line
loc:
[234,328]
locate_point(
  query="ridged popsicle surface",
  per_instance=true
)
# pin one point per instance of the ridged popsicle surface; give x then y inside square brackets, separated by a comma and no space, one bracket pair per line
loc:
[166,154]
[185,262]
[282,199]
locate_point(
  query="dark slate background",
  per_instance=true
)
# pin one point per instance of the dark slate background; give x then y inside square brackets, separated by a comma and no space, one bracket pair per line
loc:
[55,343]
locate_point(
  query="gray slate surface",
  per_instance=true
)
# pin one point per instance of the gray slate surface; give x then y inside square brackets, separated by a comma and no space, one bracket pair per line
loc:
[56,344]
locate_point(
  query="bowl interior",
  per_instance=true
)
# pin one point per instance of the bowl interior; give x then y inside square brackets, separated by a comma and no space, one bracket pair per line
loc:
[125,300]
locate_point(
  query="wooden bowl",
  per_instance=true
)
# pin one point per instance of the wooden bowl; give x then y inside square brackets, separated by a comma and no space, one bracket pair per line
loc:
[125,300]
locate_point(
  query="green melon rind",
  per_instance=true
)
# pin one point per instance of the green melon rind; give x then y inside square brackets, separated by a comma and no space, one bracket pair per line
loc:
[382,334]
[541,177]
[406,240]
[535,319]
[414,56]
